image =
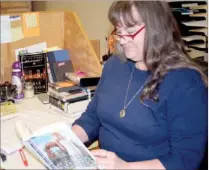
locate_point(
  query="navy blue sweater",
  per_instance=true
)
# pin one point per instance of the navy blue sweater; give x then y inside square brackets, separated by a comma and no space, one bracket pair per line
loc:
[173,130]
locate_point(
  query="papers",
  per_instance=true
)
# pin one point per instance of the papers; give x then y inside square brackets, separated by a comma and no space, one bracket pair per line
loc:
[34,119]
[11,29]
[31,25]
[203,30]
[16,28]
[31,20]
[36,47]
[189,4]
[55,48]
[31,49]
[6,36]
[8,111]
[17,33]
[194,37]
[196,23]
[196,53]
[9,141]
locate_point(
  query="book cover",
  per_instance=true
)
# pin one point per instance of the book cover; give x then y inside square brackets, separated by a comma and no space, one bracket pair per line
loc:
[58,103]
[58,56]
[57,147]
[83,79]
[64,86]
[59,69]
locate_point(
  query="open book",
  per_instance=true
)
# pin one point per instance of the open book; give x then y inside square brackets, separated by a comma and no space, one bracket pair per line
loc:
[57,147]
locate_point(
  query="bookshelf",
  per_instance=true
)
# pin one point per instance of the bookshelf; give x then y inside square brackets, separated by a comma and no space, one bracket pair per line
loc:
[192,19]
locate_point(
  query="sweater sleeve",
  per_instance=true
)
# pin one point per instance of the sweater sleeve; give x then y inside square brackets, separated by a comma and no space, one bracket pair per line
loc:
[89,120]
[187,124]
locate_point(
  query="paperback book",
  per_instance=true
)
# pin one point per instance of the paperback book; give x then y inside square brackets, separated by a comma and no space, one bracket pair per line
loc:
[57,147]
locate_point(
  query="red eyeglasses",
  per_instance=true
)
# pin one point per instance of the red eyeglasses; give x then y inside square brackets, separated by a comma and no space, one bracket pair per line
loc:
[132,36]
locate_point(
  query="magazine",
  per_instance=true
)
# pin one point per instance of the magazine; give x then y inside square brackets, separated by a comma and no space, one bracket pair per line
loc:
[57,147]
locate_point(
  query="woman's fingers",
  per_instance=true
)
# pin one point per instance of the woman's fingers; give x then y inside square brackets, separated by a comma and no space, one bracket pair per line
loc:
[100,153]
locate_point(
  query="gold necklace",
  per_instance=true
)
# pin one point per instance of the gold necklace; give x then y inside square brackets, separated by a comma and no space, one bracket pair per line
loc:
[123,111]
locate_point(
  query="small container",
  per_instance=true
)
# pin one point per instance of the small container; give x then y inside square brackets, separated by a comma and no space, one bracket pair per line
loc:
[29,90]
[17,79]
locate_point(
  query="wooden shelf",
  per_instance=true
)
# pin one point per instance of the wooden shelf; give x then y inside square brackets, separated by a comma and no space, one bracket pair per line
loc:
[14,7]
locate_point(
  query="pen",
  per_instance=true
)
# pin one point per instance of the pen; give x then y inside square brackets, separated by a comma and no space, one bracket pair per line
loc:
[24,160]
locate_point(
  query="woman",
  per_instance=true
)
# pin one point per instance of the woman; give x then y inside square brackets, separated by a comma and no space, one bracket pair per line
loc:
[150,107]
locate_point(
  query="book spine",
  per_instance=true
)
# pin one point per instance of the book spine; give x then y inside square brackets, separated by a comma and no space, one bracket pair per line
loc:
[78,99]
[58,103]
[52,72]
[73,77]
[52,92]
[49,74]
[67,97]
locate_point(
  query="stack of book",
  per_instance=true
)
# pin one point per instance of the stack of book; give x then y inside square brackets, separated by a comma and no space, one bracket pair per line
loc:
[192,20]
[63,94]
[65,85]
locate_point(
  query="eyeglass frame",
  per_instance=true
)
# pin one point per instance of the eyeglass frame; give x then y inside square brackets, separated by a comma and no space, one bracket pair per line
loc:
[132,36]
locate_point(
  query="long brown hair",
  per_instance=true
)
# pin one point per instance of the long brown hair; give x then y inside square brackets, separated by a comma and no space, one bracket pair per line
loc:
[163,45]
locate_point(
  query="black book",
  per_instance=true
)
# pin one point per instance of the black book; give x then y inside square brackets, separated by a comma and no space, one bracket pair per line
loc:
[59,69]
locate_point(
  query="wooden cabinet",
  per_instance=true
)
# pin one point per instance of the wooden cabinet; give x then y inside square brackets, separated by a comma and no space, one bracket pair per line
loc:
[8,7]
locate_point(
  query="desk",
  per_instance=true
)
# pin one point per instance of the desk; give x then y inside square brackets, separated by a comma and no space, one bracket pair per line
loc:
[30,105]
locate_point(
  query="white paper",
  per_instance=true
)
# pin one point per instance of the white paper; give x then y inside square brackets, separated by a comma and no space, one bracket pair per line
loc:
[202,23]
[6,36]
[31,20]
[36,47]
[189,5]
[31,49]
[34,120]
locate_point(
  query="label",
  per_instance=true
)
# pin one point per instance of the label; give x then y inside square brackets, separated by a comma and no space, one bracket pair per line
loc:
[17,81]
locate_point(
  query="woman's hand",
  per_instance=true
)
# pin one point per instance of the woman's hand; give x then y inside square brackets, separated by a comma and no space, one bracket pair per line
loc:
[109,160]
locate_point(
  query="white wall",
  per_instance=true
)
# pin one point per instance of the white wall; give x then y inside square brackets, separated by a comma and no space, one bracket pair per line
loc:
[93,16]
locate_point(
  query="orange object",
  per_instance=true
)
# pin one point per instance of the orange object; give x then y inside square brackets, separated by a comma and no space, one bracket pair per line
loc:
[24,160]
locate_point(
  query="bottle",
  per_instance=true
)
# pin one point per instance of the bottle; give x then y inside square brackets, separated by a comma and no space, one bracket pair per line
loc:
[17,79]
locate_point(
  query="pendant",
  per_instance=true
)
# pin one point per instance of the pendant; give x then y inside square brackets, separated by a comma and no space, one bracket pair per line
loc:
[122,113]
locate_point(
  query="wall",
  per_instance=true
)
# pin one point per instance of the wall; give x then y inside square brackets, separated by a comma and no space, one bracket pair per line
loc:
[93,16]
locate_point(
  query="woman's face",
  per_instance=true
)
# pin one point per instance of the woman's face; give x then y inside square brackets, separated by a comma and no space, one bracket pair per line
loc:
[131,39]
